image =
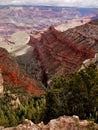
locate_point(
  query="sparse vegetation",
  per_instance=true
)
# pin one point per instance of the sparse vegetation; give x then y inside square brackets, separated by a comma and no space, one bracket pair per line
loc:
[75,96]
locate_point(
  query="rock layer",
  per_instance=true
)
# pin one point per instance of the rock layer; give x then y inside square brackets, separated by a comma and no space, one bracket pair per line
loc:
[60,53]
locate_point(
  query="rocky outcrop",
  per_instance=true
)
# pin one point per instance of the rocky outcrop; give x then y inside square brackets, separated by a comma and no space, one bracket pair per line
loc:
[88,61]
[15,102]
[62,123]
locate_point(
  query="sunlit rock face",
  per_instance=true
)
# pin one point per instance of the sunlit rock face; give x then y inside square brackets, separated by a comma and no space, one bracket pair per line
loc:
[61,123]
[87,62]
[16,44]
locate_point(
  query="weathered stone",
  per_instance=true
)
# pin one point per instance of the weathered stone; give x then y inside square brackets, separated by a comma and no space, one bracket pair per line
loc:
[61,123]
[88,61]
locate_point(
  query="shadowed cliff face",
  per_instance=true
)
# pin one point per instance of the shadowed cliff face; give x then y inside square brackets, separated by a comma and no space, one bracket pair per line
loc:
[57,53]
[14,76]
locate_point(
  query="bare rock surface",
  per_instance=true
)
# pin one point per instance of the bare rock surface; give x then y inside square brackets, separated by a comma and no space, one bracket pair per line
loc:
[88,61]
[17,43]
[61,123]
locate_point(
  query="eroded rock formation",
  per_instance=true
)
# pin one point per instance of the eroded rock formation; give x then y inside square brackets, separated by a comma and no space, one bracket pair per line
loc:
[60,53]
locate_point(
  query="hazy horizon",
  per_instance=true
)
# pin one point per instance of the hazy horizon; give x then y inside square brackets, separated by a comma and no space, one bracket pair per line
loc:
[66,3]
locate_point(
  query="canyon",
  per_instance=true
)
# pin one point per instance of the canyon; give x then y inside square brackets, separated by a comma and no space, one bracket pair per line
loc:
[33,19]
[58,53]
[34,49]
[53,54]
[35,52]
